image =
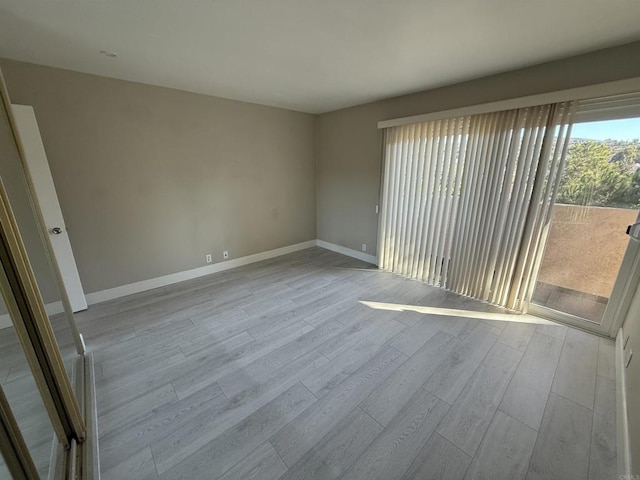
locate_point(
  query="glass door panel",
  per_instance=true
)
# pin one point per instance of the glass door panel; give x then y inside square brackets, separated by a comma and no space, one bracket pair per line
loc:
[4,471]
[599,196]
[40,415]
[22,394]
[34,238]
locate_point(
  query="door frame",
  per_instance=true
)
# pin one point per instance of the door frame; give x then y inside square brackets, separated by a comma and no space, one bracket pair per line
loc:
[623,289]
[31,322]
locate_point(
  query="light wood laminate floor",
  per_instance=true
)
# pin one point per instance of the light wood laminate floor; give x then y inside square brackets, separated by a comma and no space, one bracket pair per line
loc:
[317,366]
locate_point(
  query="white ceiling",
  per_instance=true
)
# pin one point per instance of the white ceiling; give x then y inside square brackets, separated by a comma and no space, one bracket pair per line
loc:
[308,55]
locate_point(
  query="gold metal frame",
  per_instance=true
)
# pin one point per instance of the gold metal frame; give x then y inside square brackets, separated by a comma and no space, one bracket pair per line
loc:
[26,308]
[68,401]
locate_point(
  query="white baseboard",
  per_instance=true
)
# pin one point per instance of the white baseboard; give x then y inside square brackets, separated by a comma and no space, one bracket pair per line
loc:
[144,285]
[52,308]
[137,287]
[622,419]
[365,257]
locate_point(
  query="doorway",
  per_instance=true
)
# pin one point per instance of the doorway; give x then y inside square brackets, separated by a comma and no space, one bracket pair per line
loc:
[581,272]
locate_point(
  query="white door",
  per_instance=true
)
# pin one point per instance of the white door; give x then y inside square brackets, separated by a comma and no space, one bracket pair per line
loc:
[45,191]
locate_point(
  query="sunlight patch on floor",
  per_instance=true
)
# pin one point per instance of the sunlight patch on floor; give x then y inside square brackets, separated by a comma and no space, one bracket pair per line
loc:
[451,312]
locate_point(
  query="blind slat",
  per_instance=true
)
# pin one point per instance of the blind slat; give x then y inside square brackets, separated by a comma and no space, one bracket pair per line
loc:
[466,200]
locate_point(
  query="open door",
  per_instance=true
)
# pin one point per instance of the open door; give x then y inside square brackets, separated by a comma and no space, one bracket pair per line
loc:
[45,191]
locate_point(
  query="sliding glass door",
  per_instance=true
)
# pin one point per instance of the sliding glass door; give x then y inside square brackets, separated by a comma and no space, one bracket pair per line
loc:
[43,406]
[20,390]
[464,200]
[526,209]
[41,419]
[581,278]
[22,397]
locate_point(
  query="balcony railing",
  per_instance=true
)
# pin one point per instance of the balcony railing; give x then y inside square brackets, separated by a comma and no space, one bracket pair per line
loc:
[582,258]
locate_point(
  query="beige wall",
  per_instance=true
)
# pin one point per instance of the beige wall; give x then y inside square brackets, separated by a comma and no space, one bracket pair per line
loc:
[151,179]
[349,143]
[631,329]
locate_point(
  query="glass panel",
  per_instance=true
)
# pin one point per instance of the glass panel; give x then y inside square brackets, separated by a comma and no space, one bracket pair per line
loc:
[24,398]
[4,472]
[599,196]
[14,180]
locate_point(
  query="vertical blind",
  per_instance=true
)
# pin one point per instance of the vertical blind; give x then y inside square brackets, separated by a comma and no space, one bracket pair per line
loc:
[466,201]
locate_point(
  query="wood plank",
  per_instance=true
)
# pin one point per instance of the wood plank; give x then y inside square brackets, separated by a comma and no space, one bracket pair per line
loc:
[505,451]
[411,339]
[198,432]
[356,332]
[274,321]
[226,326]
[603,455]
[439,459]
[337,450]
[155,339]
[297,438]
[469,417]
[460,326]
[242,379]
[526,396]
[388,399]
[452,375]
[562,446]
[517,335]
[606,358]
[329,307]
[220,318]
[137,409]
[262,304]
[409,318]
[221,453]
[263,463]
[117,391]
[393,452]
[136,436]
[138,466]
[554,330]
[326,378]
[576,372]
[242,385]
[211,366]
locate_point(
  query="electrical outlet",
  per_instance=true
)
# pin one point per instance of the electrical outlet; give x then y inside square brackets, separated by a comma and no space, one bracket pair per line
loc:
[364,247]
[208,258]
[377,209]
[225,254]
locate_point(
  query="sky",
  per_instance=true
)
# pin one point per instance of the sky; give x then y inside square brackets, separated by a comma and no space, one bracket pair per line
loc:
[626,129]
